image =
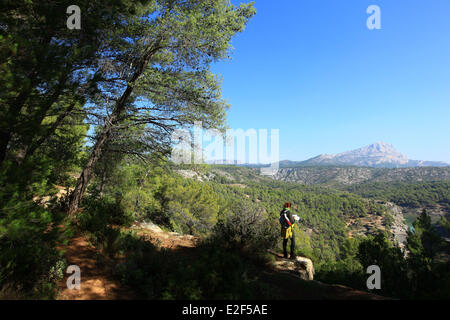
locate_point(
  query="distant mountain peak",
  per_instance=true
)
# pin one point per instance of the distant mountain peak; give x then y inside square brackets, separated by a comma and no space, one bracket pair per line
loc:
[381,146]
[378,154]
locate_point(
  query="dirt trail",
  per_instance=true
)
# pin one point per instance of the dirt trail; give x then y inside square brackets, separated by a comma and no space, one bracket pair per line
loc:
[97,281]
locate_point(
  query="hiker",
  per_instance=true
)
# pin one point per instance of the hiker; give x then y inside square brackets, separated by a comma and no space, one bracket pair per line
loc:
[287,220]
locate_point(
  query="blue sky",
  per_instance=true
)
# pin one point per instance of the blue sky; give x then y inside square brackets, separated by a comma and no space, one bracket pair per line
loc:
[312,69]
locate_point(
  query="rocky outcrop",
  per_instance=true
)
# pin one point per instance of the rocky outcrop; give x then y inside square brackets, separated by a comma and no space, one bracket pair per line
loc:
[191,174]
[324,175]
[300,266]
[398,228]
[161,238]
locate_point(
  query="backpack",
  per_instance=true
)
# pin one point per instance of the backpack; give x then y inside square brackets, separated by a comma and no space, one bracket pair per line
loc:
[284,220]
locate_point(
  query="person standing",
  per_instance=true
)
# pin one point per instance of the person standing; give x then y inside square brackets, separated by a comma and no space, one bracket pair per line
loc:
[287,221]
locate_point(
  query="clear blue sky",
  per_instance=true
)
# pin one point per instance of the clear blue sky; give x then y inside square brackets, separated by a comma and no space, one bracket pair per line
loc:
[312,69]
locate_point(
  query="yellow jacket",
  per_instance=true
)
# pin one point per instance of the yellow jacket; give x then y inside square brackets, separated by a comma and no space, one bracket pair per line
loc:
[287,233]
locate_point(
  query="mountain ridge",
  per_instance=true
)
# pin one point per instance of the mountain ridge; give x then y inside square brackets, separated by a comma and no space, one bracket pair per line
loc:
[348,175]
[376,155]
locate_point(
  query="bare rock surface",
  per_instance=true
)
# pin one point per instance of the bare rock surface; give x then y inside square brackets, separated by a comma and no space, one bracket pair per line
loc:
[300,266]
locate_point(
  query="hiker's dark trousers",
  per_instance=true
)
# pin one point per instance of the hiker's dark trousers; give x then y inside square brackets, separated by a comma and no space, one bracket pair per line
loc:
[285,241]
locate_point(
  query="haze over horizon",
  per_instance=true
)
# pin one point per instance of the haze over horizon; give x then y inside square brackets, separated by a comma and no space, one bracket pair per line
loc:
[314,71]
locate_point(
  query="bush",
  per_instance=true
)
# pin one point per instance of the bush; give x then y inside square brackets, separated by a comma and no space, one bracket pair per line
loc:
[99,213]
[247,229]
[347,272]
[29,260]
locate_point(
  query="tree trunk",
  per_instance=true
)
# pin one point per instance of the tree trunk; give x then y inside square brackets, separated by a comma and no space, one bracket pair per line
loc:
[102,181]
[138,197]
[88,170]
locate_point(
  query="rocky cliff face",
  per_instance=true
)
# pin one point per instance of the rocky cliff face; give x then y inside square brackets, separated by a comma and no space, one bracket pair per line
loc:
[324,175]
[399,228]
[353,175]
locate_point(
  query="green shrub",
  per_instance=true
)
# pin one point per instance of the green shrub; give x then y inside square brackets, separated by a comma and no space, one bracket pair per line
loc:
[347,272]
[29,259]
[247,229]
[99,213]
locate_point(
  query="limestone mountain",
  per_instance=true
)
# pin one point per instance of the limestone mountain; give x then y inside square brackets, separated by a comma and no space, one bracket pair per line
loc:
[379,154]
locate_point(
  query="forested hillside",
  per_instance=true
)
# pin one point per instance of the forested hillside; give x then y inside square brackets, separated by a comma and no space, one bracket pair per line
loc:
[414,195]
[195,205]
[411,188]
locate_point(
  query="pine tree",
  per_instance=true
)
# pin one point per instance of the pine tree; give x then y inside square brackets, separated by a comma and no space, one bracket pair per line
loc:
[160,77]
